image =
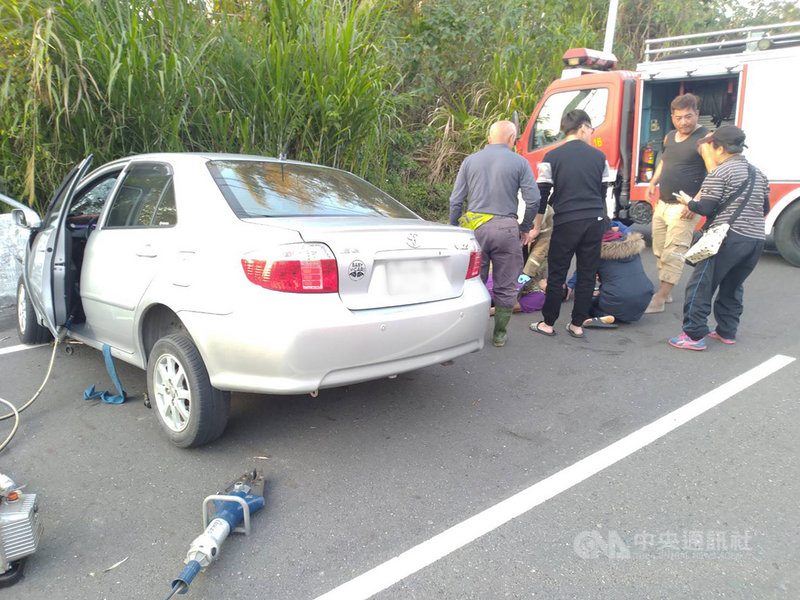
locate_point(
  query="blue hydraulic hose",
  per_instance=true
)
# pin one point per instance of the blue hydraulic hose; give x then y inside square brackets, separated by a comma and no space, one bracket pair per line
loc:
[185,578]
[187,575]
[178,588]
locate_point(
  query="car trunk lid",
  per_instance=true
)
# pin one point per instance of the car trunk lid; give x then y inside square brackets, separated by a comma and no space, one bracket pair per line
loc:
[390,262]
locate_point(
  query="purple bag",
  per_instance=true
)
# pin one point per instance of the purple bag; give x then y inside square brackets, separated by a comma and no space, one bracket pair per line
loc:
[529,302]
[532,302]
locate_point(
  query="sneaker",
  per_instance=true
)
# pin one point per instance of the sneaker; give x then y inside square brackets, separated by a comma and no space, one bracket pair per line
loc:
[715,336]
[687,343]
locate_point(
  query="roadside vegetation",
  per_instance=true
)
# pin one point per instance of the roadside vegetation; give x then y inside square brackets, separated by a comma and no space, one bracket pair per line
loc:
[398,91]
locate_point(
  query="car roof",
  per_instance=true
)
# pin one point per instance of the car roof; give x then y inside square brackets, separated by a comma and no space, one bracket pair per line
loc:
[192,157]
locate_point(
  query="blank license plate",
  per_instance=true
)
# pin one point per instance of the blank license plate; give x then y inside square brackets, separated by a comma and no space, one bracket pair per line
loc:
[410,276]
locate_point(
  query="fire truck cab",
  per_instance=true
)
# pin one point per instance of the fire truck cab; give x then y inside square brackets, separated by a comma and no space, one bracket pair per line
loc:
[746,77]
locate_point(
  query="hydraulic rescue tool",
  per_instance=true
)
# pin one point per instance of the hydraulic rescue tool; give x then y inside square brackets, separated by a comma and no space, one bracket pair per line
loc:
[20,530]
[239,500]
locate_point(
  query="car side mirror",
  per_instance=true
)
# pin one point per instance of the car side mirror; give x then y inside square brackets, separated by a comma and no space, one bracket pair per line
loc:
[23,216]
[27,219]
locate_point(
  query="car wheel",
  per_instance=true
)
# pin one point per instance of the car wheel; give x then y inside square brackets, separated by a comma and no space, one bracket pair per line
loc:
[787,234]
[28,328]
[189,409]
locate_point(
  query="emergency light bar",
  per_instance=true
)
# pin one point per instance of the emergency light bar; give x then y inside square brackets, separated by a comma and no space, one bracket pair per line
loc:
[594,59]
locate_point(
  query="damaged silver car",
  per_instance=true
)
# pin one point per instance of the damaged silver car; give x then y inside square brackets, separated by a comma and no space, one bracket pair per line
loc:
[219,273]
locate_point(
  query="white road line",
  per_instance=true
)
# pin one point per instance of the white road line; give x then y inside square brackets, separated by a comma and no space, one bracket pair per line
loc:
[19,348]
[409,562]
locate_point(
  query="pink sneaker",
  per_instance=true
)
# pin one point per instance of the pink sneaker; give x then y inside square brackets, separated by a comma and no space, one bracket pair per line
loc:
[685,342]
[715,336]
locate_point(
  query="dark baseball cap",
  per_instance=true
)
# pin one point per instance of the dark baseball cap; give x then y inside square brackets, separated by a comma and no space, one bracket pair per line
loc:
[729,137]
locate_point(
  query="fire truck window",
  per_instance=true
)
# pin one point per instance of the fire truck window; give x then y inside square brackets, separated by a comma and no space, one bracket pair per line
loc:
[547,127]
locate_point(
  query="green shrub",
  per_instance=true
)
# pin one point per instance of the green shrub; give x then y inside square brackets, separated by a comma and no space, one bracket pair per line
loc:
[117,78]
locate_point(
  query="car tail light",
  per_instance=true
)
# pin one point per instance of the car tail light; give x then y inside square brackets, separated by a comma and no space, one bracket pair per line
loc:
[474,268]
[302,268]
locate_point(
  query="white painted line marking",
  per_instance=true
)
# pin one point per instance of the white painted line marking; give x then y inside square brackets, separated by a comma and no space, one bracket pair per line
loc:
[19,348]
[409,562]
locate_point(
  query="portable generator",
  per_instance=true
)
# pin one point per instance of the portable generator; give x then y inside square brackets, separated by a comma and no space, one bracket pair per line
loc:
[20,530]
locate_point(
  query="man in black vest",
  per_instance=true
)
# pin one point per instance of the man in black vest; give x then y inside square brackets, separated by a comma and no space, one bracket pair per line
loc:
[681,168]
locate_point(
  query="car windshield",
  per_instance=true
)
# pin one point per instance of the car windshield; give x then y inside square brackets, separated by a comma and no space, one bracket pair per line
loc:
[273,189]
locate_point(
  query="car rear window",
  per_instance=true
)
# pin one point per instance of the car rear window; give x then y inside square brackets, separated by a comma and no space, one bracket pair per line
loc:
[274,189]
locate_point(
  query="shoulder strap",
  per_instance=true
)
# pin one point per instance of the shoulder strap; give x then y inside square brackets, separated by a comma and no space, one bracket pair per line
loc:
[749,180]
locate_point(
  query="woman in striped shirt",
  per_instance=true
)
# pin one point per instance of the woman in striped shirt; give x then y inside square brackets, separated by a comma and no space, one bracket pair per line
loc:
[732,182]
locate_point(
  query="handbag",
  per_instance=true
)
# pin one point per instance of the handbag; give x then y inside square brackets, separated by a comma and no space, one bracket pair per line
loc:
[712,236]
[708,244]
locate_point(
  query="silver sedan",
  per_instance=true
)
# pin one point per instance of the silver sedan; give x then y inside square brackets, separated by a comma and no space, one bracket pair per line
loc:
[220,273]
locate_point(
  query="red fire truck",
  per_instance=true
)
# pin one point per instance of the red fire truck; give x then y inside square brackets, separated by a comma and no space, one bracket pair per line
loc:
[747,77]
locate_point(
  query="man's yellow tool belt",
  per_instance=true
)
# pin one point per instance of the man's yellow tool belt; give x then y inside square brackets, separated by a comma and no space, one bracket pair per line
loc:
[473,220]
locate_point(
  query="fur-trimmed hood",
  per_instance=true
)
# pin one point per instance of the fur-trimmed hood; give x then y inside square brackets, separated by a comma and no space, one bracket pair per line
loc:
[631,245]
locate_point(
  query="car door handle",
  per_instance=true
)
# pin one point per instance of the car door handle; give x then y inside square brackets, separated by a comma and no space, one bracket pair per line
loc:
[146,251]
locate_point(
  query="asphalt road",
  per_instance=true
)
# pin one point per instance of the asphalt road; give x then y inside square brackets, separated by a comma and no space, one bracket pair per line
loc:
[362,474]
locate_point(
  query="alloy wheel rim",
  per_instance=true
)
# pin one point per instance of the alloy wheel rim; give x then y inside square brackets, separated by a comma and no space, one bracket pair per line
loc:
[172,393]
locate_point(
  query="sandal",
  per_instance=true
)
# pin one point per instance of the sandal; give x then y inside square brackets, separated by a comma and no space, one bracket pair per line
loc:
[599,323]
[572,333]
[535,327]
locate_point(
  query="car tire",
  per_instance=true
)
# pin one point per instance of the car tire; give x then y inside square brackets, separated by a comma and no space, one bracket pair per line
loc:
[28,328]
[189,409]
[787,234]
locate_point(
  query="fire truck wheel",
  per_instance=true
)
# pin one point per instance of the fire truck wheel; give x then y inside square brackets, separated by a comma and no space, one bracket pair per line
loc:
[787,234]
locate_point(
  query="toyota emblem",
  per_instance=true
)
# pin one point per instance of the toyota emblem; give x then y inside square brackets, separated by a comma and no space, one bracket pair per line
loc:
[412,240]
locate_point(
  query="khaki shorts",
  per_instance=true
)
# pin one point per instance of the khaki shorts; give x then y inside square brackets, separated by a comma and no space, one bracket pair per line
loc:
[672,237]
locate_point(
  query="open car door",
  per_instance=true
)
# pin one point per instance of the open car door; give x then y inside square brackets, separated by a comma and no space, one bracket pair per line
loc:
[49,274]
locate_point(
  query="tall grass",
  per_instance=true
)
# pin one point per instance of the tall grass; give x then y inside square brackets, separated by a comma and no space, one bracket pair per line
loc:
[298,77]
[522,60]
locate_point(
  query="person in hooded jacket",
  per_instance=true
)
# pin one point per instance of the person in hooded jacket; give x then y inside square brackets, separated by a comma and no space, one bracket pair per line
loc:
[625,290]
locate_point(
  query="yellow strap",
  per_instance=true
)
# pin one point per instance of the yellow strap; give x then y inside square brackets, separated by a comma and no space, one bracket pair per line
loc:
[473,220]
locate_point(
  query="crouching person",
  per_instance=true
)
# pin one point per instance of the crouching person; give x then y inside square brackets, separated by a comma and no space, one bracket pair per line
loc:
[625,289]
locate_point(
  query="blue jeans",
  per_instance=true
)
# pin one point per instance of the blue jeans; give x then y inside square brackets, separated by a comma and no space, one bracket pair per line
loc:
[723,274]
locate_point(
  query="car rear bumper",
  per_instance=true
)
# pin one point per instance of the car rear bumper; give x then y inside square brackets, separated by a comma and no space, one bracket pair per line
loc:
[305,342]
